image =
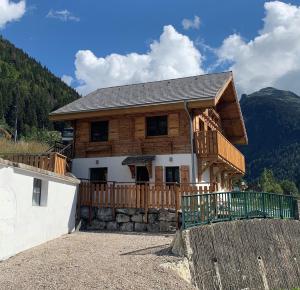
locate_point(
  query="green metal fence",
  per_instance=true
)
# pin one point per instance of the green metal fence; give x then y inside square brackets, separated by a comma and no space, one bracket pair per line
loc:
[214,207]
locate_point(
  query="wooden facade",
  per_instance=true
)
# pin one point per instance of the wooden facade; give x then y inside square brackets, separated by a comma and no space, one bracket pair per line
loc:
[127,136]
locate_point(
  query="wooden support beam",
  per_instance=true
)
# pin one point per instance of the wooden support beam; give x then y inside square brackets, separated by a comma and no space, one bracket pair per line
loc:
[132,170]
[202,167]
[149,169]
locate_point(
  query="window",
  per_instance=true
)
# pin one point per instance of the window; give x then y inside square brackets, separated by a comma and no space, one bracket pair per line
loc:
[98,174]
[157,126]
[37,192]
[99,131]
[172,174]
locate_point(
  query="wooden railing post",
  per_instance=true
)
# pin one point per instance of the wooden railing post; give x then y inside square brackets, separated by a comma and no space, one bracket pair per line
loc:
[177,205]
[52,165]
[146,201]
[113,199]
[90,203]
[79,201]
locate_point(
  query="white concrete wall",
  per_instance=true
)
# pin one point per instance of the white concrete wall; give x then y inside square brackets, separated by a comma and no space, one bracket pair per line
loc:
[121,173]
[23,225]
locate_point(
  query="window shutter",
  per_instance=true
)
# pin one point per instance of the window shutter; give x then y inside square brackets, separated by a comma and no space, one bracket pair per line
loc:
[159,178]
[140,127]
[82,133]
[173,124]
[113,129]
[184,174]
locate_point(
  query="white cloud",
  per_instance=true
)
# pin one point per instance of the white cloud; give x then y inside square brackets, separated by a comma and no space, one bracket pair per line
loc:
[191,23]
[173,56]
[272,58]
[67,79]
[63,15]
[11,11]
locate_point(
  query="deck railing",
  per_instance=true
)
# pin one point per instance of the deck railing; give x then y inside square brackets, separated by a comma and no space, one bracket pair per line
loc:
[215,207]
[54,162]
[141,196]
[124,195]
[213,143]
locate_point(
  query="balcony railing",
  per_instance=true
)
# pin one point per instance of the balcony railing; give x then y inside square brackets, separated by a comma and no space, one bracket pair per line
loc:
[199,209]
[54,162]
[212,144]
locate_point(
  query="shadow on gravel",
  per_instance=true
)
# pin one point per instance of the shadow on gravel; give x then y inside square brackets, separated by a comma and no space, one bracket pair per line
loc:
[127,233]
[161,250]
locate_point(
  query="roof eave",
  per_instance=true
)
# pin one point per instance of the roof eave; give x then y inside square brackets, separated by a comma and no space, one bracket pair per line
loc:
[243,140]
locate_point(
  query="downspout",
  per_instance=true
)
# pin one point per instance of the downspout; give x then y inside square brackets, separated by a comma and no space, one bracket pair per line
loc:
[190,115]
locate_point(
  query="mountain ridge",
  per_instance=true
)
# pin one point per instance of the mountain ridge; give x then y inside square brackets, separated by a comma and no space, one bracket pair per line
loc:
[272,120]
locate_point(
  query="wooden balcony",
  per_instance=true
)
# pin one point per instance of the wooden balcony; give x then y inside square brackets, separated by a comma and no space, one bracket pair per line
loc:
[213,145]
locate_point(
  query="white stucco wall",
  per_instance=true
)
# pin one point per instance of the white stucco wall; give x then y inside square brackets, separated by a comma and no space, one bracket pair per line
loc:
[23,225]
[121,173]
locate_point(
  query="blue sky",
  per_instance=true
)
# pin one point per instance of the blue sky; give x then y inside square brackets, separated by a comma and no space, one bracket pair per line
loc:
[130,26]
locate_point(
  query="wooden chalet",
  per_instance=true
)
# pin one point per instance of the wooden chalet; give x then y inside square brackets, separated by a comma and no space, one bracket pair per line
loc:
[181,130]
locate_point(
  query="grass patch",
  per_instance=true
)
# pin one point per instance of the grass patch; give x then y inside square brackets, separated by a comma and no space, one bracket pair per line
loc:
[22,147]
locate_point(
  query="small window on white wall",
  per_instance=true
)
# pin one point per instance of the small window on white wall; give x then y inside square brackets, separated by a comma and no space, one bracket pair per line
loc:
[37,192]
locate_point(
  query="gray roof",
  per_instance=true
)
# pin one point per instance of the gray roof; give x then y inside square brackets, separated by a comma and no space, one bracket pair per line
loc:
[142,159]
[160,92]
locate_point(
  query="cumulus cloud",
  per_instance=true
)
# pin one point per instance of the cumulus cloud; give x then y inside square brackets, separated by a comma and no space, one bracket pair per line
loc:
[272,58]
[11,11]
[63,15]
[67,79]
[191,23]
[173,55]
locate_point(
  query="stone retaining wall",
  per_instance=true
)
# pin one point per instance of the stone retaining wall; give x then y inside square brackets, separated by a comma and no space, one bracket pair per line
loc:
[128,220]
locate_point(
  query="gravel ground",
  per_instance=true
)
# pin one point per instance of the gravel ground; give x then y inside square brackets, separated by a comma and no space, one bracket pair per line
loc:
[94,261]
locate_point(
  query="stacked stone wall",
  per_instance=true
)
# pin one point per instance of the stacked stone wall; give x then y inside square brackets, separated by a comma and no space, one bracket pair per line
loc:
[128,220]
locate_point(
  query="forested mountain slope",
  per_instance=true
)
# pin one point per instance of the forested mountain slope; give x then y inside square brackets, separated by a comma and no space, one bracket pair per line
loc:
[28,89]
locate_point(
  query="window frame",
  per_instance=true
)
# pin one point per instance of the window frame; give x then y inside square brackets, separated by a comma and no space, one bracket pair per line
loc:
[37,191]
[98,180]
[92,138]
[173,168]
[164,134]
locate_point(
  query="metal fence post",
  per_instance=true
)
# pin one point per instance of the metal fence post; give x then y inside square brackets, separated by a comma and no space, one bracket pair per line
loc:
[183,211]
[280,207]
[245,205]
[263,204]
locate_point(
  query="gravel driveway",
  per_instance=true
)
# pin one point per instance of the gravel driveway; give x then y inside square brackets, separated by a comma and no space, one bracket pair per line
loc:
[94,261]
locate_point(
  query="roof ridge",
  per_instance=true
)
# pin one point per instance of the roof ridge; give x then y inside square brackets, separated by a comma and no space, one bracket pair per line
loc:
[142,83]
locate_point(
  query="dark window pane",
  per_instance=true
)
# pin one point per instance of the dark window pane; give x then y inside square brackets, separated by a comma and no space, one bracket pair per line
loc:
[157,126]
[37,191]
[172,174]
[98,174]
[99,131]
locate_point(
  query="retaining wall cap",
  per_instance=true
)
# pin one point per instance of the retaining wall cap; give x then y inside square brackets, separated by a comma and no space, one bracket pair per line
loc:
[68,178]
